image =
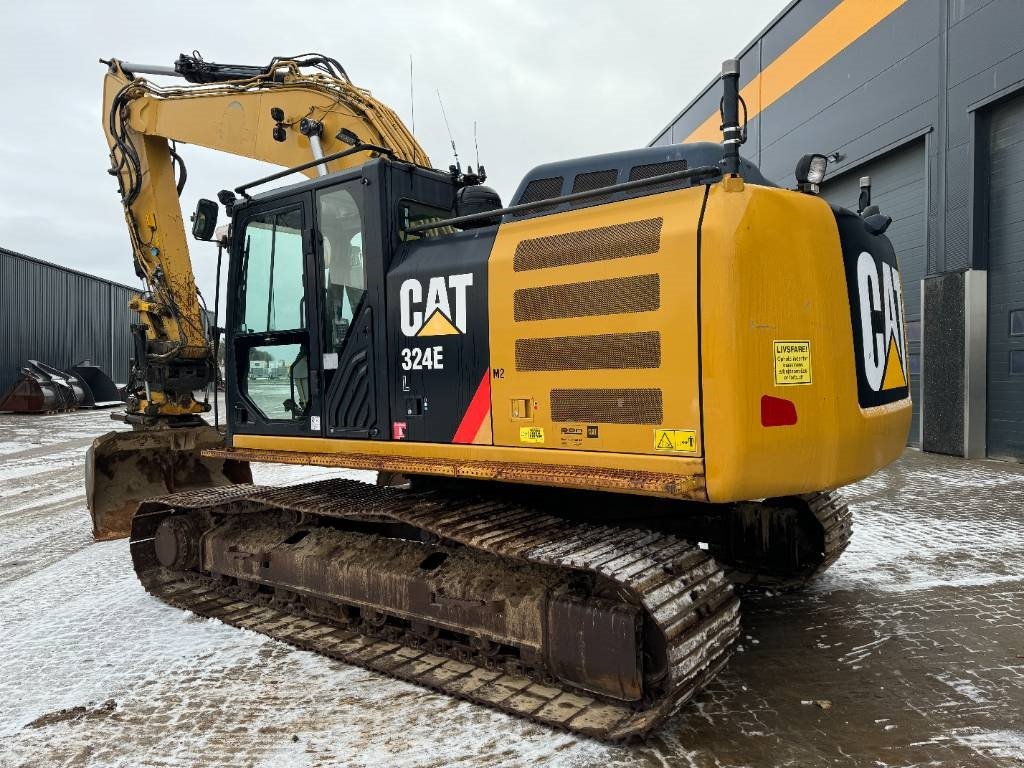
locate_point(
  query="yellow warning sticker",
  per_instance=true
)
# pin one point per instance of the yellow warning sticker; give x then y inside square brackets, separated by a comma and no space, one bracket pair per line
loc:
[531,434]
[682,440]
[792,362]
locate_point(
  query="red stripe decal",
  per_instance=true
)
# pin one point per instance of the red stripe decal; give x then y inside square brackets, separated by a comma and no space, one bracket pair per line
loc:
[476,412]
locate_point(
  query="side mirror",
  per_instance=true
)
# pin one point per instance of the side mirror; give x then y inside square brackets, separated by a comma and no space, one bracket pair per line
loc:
[204,220]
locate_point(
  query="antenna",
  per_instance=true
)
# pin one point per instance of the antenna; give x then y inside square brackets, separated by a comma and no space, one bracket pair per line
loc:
[412,106]
[452,140]
[476,146]
[412,99]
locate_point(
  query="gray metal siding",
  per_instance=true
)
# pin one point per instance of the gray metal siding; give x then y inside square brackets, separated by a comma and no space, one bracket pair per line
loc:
[899,189]
[1005,419]
[788,27]
[919,70]
[61,317]
[866,98]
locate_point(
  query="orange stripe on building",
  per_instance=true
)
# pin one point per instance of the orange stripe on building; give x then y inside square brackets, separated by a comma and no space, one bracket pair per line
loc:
[844,24]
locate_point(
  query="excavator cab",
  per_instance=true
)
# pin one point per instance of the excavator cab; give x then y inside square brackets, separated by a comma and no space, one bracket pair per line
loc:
[307,326]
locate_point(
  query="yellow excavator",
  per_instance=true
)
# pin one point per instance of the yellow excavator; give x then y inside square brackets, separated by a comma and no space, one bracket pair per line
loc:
[594,411]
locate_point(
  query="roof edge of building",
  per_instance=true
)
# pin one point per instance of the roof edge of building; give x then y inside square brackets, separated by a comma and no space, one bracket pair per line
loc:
[62,268]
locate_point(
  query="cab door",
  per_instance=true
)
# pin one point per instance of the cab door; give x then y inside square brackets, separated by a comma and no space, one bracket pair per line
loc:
[275,349]
[351,274]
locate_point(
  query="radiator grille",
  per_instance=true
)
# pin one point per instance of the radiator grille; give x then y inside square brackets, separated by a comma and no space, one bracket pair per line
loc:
[618,241]
[607,406]
[588,353]
[620,295]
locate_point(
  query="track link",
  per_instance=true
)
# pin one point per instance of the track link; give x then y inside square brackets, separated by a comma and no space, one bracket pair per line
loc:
[832,514]
[684,593]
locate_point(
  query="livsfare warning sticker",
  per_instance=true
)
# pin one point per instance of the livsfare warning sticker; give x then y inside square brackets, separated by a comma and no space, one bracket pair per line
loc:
[531,434]
[680,440]
[792,362]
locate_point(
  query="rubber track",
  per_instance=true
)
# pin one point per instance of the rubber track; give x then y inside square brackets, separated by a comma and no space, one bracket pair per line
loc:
[683,590]
[834,516]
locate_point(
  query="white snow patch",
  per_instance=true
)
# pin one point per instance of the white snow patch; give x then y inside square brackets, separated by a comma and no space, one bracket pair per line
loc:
[1007,744]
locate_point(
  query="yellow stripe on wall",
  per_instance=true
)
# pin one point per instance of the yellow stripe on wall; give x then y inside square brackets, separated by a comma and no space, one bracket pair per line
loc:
[834,33]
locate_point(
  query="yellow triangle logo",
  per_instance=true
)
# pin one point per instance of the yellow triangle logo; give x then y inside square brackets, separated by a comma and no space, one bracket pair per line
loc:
[438,325]
[894,377]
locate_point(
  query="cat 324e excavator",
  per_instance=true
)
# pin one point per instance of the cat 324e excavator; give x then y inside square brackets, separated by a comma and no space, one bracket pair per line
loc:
[593,411]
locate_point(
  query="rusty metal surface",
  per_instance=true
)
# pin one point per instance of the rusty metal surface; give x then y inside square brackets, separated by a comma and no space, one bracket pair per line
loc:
[785,547]
[504,602]
[123,468]
[691,615]
[627,481]
[41,388]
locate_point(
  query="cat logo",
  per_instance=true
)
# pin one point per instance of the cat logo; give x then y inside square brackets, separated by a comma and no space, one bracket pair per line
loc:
[882,334]
[443,313]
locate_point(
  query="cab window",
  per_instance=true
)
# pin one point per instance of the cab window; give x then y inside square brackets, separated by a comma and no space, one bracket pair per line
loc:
[341,232]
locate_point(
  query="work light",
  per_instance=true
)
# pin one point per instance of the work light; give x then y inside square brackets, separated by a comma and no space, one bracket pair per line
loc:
[810,171]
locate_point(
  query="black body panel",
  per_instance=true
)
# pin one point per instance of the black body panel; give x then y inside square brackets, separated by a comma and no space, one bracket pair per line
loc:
[437,305]
[586,173]
[349,382]
[876,312]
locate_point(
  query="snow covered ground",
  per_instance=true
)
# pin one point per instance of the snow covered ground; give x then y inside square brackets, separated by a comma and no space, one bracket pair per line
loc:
[910,651]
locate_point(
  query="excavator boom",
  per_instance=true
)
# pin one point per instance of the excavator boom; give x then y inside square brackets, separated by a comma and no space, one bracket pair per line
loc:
[289,112]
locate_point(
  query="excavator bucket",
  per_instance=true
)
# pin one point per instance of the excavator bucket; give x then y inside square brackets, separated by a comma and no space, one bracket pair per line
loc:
[39,389]
[101,391]
[123,468]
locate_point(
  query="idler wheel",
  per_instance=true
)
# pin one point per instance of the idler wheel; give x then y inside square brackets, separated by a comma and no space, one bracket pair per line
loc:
[177,544]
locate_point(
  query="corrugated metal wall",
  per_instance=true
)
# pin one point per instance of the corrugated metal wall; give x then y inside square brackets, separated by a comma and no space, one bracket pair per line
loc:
[1005,425]
[61,317]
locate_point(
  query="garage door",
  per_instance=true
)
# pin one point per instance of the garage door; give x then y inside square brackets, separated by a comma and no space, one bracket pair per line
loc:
[898,188]
[1005,423]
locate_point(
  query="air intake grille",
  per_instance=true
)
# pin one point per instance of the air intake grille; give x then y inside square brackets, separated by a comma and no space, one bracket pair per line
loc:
[607,406]
[620,295]
[541,189]
[656,169]
[585,182]
[618,241]
[588,353]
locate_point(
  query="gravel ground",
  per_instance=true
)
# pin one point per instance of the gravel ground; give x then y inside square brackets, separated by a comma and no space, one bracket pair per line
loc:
[908,652]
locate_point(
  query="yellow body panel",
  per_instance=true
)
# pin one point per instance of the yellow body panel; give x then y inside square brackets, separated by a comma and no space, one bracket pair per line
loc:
[674,262]
[772,271]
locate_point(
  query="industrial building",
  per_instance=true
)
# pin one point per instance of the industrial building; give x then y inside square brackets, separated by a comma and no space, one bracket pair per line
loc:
[60,316]
[927,99]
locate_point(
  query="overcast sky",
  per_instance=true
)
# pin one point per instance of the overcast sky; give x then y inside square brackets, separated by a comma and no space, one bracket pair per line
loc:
[543,80]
